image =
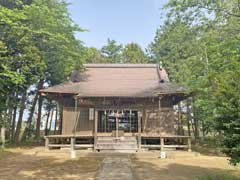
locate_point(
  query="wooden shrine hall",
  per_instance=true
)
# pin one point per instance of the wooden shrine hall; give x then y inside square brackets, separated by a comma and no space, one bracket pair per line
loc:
[118,107]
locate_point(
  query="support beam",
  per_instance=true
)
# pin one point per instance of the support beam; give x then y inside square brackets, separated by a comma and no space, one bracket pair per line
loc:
[159,112]
[46,143]
[105,123]
[117,124]
[189,145]
[130,128]
[161,143]
[95,129]
[72,143]
[77,116]
[72,146]
[139,131]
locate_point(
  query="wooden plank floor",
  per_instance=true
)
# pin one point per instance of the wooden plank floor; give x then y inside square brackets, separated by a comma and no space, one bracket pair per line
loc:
[90,134]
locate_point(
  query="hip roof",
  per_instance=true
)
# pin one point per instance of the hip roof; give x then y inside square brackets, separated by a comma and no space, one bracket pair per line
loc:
[117,80]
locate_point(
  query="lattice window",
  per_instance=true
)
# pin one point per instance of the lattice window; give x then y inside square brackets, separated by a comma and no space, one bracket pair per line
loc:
[127,120]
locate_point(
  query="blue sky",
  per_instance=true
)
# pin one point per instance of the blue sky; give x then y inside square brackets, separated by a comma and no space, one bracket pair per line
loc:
[122,20]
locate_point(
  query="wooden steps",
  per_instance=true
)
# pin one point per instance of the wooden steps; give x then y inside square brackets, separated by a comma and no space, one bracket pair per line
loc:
[113,143]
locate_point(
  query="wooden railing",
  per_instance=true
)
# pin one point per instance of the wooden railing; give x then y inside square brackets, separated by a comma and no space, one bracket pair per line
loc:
[72,144]
[162,145]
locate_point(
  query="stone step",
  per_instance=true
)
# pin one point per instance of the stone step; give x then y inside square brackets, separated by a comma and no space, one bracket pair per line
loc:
[113,143]
[116,138]
[109,141]
[122,152]
[120,144]
[116,146]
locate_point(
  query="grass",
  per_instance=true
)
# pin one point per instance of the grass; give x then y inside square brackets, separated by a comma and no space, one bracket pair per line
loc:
[218,177]
[208,146]
[3,153]
[24,163]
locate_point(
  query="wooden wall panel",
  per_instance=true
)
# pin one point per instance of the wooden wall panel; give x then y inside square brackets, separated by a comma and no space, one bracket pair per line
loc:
[84,124]
[69,117]
[69,120]
[151,123]
[159,123]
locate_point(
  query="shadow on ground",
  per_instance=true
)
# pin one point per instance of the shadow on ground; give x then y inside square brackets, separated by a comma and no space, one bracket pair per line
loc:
[169,170]
[208,151]
[19,165]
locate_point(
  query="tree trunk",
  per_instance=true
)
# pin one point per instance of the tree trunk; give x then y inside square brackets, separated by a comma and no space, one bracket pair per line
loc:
[10,111]
[196,134]
[193,127]
[179,119]
[2,129]
[50,124]
[188,117]
[203,129]
[13,122]
[47,120]
[56,117]
[13,116]
[38,125]
[40,101]
[5,115]
[21,111]
[26,133]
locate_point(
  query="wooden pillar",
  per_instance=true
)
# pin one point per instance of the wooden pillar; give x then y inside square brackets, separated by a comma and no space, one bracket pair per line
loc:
[189,145]
[139,131]
[161,143]
[73,153]
[95,129]
[188,117]
[3,137]
[159,112]
[72,143]
[46,143]
[117,123]
[77,115]
[130,127]
[105,124]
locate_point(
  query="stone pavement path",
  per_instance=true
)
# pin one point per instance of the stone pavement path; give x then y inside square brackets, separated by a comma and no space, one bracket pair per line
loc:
[115,168]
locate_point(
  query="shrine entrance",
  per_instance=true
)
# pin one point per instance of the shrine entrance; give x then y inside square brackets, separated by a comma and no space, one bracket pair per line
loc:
[117,122]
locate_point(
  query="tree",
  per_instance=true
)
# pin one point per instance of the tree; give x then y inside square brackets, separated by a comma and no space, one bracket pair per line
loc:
[133,53]
[37,46]
[112,52]
[92,55]
[22,64]
[198,45]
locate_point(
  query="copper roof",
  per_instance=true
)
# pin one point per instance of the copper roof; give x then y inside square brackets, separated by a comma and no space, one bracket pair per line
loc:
[117,80]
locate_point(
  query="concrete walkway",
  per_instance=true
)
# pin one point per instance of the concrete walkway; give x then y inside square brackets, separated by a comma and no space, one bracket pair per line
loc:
[115,168]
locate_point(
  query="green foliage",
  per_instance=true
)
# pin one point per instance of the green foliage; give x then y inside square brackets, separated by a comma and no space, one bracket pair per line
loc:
[227,101]
[92,55]
[39,40]
[199,46]
[112,52]
[132,53]
[37,45]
